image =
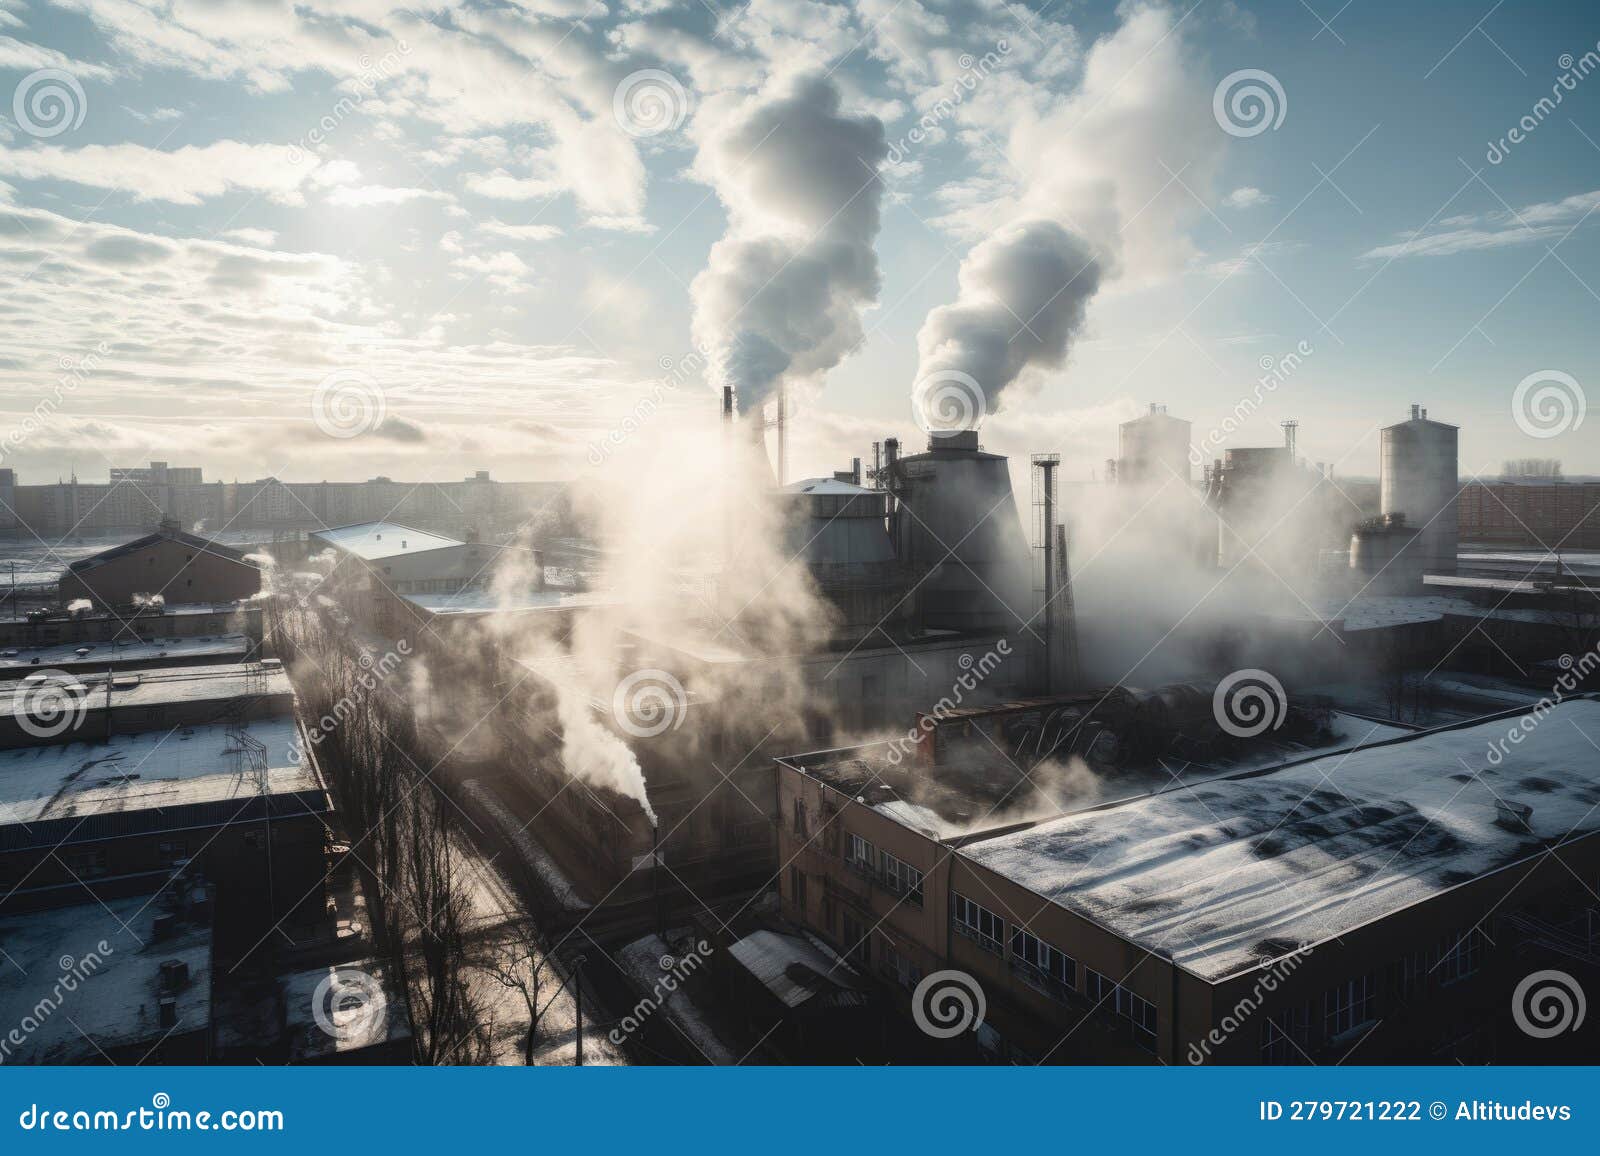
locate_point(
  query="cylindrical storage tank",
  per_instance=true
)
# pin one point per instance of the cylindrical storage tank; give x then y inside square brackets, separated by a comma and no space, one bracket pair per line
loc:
[958,522]
[1383,559]
[1418,477]
[841,532]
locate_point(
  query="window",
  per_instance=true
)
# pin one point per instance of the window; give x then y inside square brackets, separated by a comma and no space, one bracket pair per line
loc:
[1408,974]
[1114,999]
[857,942]
[902,878]
[1033,956]
[900,969]
[977,923]
[859,854]
[799,818]
[1347,1006]
[797,888]
[1286,1036]
[1460,956]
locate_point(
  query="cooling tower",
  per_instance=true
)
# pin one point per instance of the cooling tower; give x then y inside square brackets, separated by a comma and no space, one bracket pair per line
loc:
[1418,478]
[959,533]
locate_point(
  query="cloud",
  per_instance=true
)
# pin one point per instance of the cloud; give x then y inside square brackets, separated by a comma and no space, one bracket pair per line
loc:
[24,57]
[520,232]
[1247,197]
[364,196]
[1545,221]
[184,176]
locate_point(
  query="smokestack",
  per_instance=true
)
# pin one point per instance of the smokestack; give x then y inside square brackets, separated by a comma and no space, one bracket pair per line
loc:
[1416,412]
[727,403]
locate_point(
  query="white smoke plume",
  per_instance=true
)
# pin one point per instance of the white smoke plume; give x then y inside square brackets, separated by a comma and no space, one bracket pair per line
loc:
[781,295]
[1095,199]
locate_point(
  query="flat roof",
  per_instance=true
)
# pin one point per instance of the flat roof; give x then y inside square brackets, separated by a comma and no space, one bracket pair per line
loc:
[116,998]
[65,655]
[481,600]
[1222,875]
[173,684]
[369,1009]
[373,540]
[148,771]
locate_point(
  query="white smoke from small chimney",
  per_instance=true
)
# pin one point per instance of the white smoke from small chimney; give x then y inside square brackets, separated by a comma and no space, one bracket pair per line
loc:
[781,295]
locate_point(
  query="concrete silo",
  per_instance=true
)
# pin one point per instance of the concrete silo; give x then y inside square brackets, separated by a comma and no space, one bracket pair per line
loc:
[958,523]
[840,530]
[1154,448]
[1418,477]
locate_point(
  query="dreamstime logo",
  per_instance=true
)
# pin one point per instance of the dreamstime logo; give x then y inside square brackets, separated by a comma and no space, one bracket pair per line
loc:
[1572,71]
[650,102]
[947,402]
[1548,1003]
[648,703]
[972,72]
[1548,403]
[947,1003]
[348,403]
[50,703]
[676,971]
[49,102]
[1249,702]
[75,372]
[348,1003]
[675,372]
[1275,371]
[1249,102]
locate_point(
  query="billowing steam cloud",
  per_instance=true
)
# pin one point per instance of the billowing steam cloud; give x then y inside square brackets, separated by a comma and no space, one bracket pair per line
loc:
[1023,294]
[781,295]
[1096,197]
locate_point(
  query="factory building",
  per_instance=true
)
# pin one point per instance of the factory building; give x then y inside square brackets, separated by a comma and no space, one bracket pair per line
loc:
[406,560]
[152,634]
[1378,902]
[1417,478]
[171,564]
[1153,449]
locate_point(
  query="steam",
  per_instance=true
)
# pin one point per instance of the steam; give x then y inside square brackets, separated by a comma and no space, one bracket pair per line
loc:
[781,295]
[1096,198]
[1022,300]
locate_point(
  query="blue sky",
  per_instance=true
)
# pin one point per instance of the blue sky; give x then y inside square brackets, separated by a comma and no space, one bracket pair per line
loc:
[497,261]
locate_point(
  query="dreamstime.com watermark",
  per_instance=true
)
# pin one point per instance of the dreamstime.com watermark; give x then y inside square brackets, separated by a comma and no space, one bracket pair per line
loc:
[161,1116]
[1249,102]
[948,402]
[676,372]
[977,669]
[1275,371]
[364,85]
[48,703]
[76,373]
[1248,1005]
[1572,71]
[1249,702]
[675,971]
[1547,1004]
[1548,403]
[648,703]
[349,1004]
[1574,672]
[73,973]
[947,1003]
[374,673]
[49,102]
[973,72]
[649,102]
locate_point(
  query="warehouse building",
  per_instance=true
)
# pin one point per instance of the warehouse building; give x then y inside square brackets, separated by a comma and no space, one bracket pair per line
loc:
[1360,905]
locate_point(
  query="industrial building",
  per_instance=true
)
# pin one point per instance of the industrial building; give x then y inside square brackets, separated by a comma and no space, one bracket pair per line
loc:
[1530,513]
[149,635]
[1313,907]
[407,561]
[1153,449]
[171,564]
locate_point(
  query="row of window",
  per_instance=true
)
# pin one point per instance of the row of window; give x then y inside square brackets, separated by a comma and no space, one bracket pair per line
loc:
[1349,1006]
[888,871]
[1049,968]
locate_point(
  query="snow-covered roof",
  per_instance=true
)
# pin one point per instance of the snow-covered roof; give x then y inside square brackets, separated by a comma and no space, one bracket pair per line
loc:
[792,969]
[64,656]
[826,486]
[348,1007]
[111,957]
[148,771]
[373,540]
[167,685]
[1221,874]
[482,600]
